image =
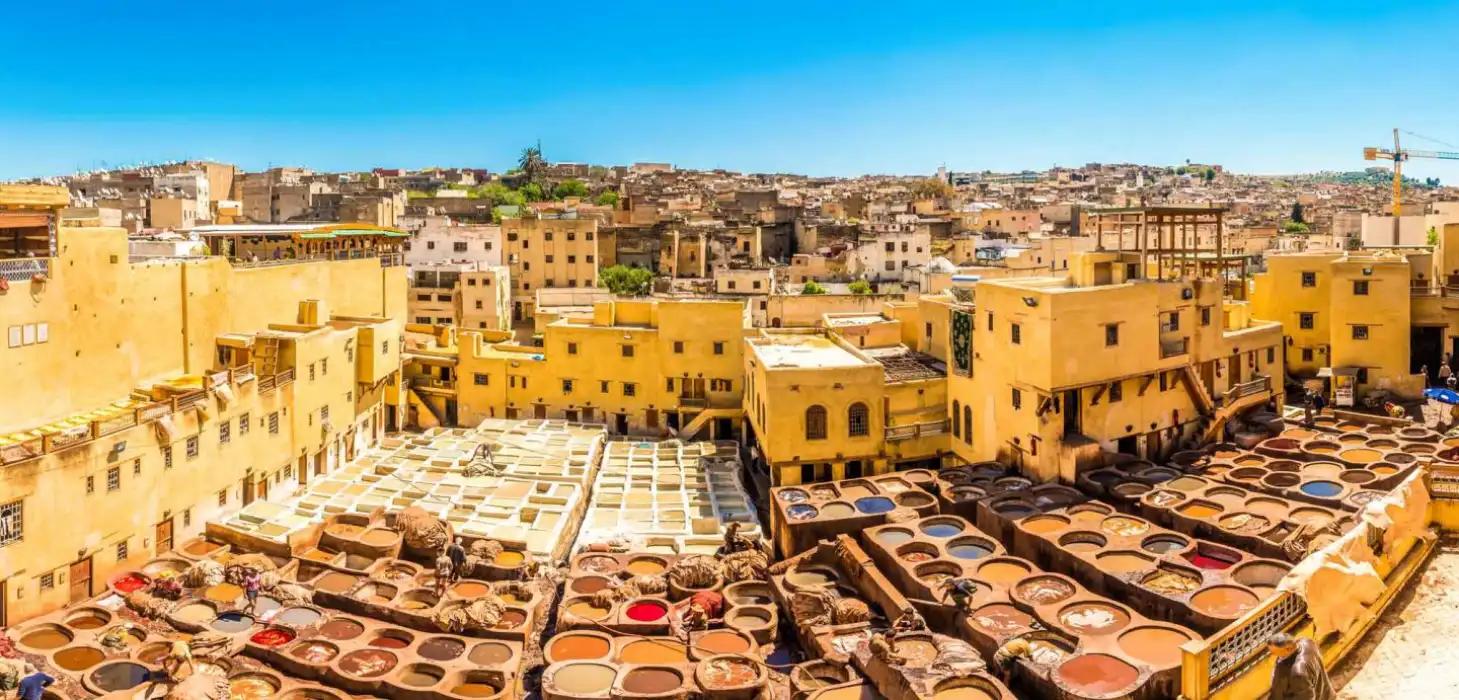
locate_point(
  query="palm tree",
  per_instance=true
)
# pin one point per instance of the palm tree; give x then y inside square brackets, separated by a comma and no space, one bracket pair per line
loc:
[531,162]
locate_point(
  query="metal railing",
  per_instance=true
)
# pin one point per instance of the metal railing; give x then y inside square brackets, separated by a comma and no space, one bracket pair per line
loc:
[22,269]
[916,430]
[284,378]
[693,401]
[1255,386]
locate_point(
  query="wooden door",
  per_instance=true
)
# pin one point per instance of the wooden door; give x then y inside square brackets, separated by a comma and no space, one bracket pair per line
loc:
[163,538]
[261,492]
[81,580]
[247,490]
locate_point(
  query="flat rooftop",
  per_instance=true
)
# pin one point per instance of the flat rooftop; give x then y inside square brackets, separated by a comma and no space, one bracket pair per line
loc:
[903,364]
[802,352]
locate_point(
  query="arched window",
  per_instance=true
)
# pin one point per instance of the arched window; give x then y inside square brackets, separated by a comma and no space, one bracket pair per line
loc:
[967,424]
[858,420]
[815,423]
[957,412]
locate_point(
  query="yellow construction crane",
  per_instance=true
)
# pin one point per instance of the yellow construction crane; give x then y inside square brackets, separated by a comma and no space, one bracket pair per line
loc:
[1398,155]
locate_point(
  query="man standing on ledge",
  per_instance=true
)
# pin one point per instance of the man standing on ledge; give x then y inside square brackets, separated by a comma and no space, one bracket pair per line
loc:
[1298,673]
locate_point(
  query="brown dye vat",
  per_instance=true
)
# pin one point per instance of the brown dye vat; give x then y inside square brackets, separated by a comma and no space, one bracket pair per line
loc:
[1043,524]
[1164,543]
[1083,542]
[584,678]
[441,648]
[598,564]
[571,647]
[418,599]
[1384,470]
[935,573]
[48,637]
[223,593]
[1315,517]
[1357,476]
[1157,646]
[652,681]
[810,578]
[1281,480]
[837,509]
[76,659]
[1088,514]
[379,538]
[511,619]
[1227,497]
[1419,449]
[1131,490]
[588,585]
[490,654]
[1003,571]
[1002,619]
[1123,561]
[646,565]
[917,652]
[914,500]
[1124,526]
[853,490]
[1249,461]
[252,686]
[1164,498]
[392,639]
[367,663]
[963,692]
[470,589]
[585,608]
[1043,590]
[336,582]
[422,675]
[1247,473]
[341,629]
[1327,470]
[1097,674]
[917,552]
[1322,447]
[154,653]
[474,690]
[1259,575]
[315,652]
[718,642]
[201,548]
[1267,507]
[1186,483]
[1224,601]
[1200,509]
[893,536]
[1172,582]
[1351,438]
[298,616]
[1299,433]
[1094,618]
[1244,523]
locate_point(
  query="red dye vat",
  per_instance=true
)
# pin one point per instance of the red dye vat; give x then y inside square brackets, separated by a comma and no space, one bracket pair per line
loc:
[387,642]
[1207,562]
[131,582]
[272,637]
[646,611]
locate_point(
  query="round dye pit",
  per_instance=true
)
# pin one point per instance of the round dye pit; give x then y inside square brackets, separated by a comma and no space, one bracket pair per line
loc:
[720,642]
[154,653]
[341,629]
[1043,590]
[252,687]
[474,689]
[801,511]
[1259,575]
[130,582]
[598,564]
[1097,674]
[837,509]
[747,618]
[120,675]
[1094,618]
[912,500]
[489,654]
[1357,476]
[441,648]
[1211,560]
[892,536]
[232,622]
[724,672]
[1014,509]
[917,652]
[873,505]
[1200,509]
[1157,646]
[470,589]
[46,637]
[651,651]
[652,681]
[78,658]
[1123,561]
[394,639]
[418,599]
[583,678]
[1360,456]
[298,616]
[379,538]
[272,637]
[1132,490]
[810,578]
[941,528]
[511,619]
[1003,571]
[1164,544]
[1079,542]
[1043,524]
[1224,601]
[508,559]
[421,675]
[969,548]
[1244,523]
[1315,517]
[376,593]
[1164,498]
[791,495]
[968,493]
[1322,470]
[1270,508]
[645,611]
[587,610]
[964,692]
[1172,582]
[1322,489]
[935,573]
[336,582]
[367,663]
[1002,619]
[646,566]
[1125,526]
[315,652]
[195,613]
[224,593]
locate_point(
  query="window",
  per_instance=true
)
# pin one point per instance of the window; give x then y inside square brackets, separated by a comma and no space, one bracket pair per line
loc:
[384,347]
[1309,279]
[90,484]
[719,347]
[891,247]
[222,497]
[1306,320]
[511,236]
[1111,334]
[890,265]
[225,432]
[572,259]
[1164,384]
[243,424]
[589,236]
[1306,354]
[630,389]
[549,260]
[815,423]
[1116,392]
[1360,287]
[471,281]
[957,408]
[423,319]
[1205,315]
[480,379]
[678,347]
[430,245]
[1362,375]
[547,236]
[572,235]
[990,320]
[122,551]
[311,371]
[323,413]
[572,348]
[324,364]
[1271,355]
[603,387]
[668,384]
[731,284]
[1017,333]
[192,447]
[858,420]
[478,304]
[273,423]
[1017,399]
[1172,321]
[12,522]
[459,246]
[167,457]
[1360,332]
[187,517]
[627,350]
[588,258]
[567,386]
[48,581]
[721,385]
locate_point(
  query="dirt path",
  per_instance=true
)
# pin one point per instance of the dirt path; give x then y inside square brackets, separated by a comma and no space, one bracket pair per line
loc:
[1409,652]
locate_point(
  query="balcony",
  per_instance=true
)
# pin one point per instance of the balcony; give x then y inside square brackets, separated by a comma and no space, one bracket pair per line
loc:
[24,269]
[1174,348]
[1423,291]
[915,430]
[693,402]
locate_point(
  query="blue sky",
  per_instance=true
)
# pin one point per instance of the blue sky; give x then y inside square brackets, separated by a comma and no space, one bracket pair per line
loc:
[826,88]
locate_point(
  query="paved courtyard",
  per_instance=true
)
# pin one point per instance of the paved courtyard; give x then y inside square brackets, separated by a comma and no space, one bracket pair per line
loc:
[1409,653]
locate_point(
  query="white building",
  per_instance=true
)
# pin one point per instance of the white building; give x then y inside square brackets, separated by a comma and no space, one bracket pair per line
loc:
[438,239]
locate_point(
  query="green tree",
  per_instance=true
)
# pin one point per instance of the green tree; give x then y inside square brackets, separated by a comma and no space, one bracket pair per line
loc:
[860,287]
[497,194]
[1295,227]
[625,280]
[932,188]
[1210,174]
[1297,214]
[569,188]
[531,163]
[532,192]
[606,199]
[1433,236]
[812,287]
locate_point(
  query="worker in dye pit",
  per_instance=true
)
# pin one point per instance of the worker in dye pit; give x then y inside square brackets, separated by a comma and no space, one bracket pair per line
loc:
[962,591]
[734,541]
[457,552]
[180,653]
[1016,648]
[1298,673]
[252,582]
[909,621]
[443,573]
[33,687]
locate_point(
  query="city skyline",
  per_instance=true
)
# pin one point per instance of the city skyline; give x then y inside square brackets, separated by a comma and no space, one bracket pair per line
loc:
[815,89]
